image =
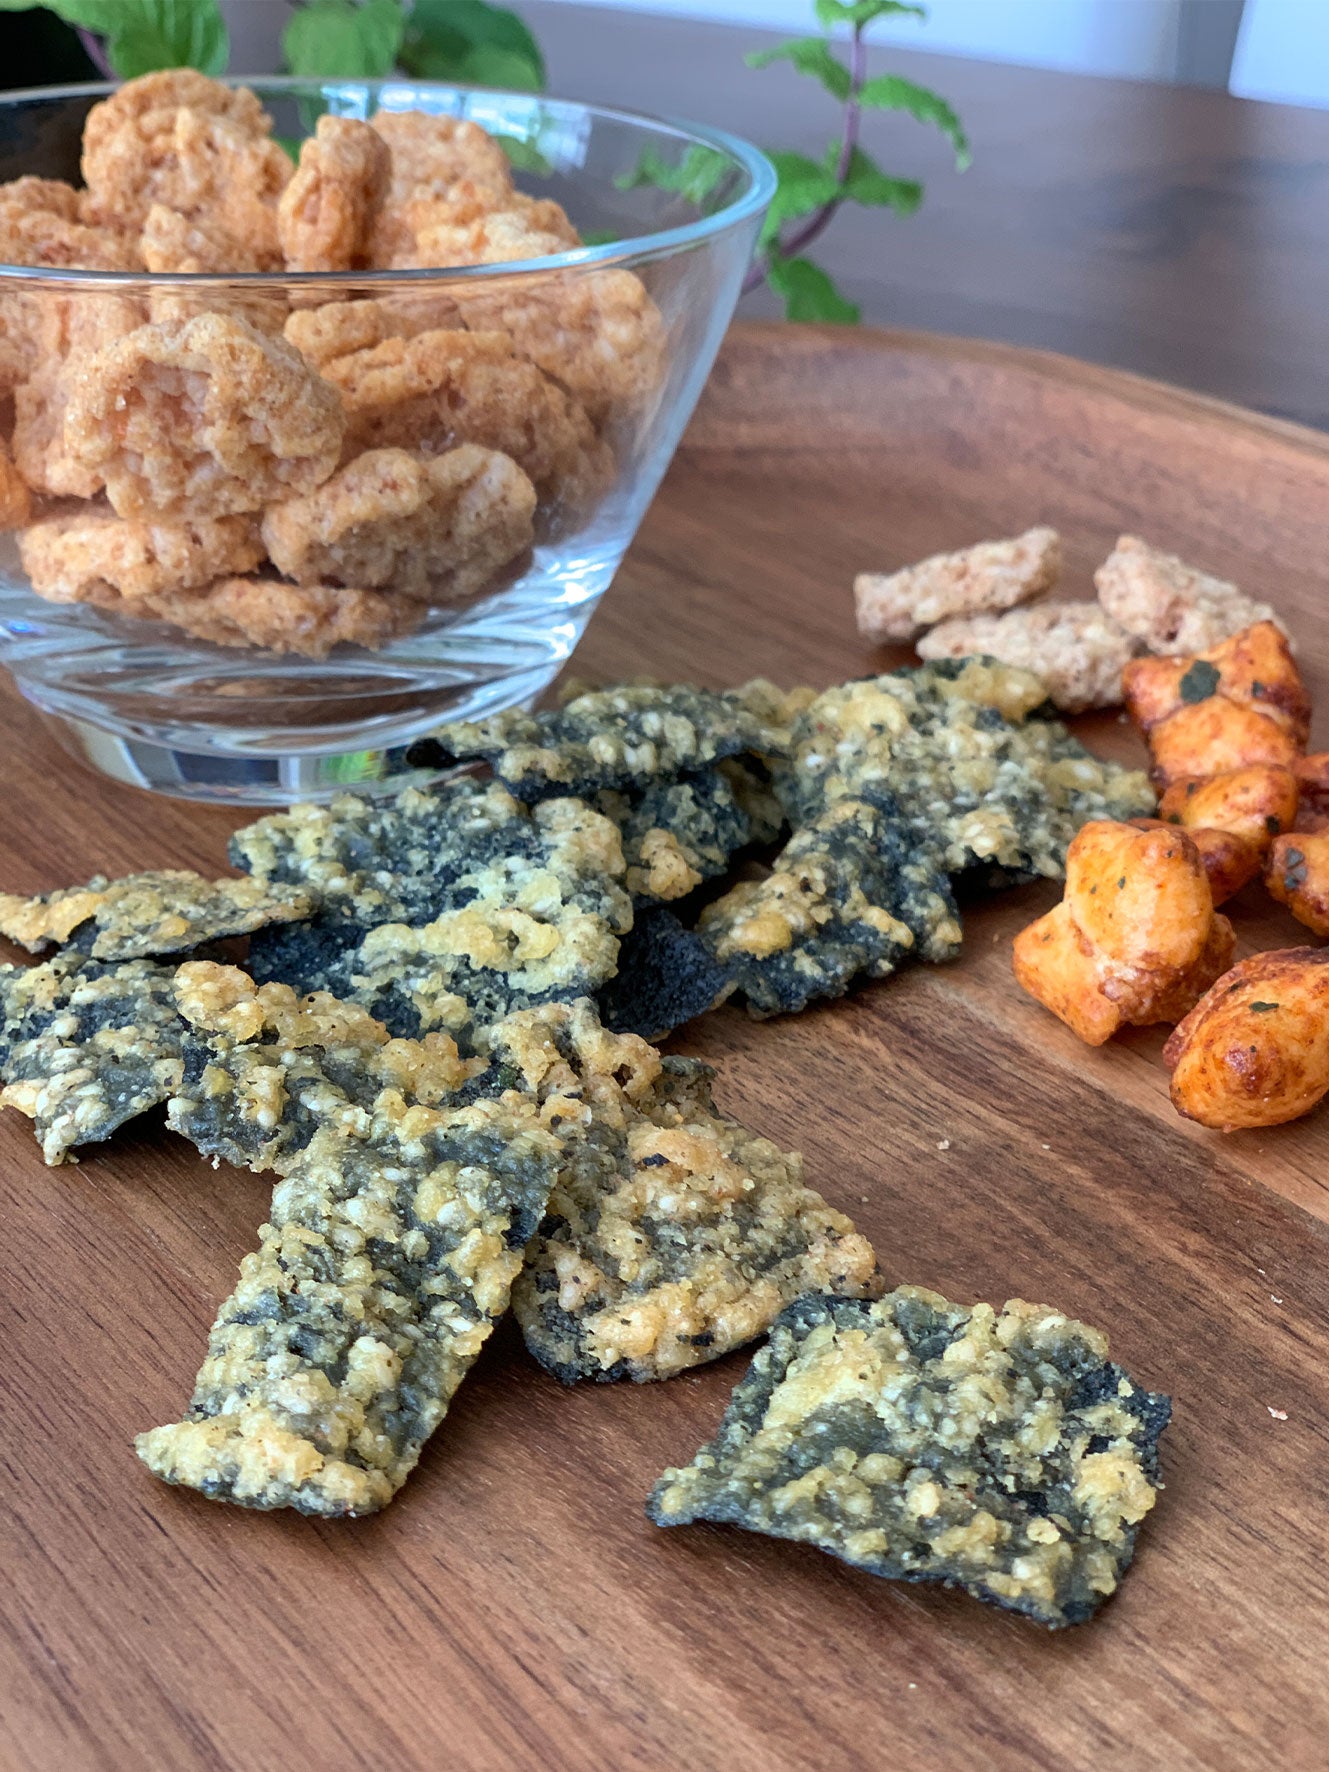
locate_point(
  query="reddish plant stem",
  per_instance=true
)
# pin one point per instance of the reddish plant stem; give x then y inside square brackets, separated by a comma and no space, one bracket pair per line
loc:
[814,224]
[95,50]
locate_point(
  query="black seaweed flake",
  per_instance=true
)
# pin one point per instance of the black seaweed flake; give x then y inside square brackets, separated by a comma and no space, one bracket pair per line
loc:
[667,975]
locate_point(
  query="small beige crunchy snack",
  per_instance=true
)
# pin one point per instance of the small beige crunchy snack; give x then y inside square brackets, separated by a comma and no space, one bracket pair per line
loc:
[1076,649]
[340,328]
[66,331]
[268,612]
[15,498]
[1170,606]
[93,556]
[327,212]
[432,154]
[438,528]
[993,575]
[202,418]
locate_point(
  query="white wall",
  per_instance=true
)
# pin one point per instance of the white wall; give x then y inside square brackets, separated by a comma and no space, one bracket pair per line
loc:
[1283,52]
[1134,38]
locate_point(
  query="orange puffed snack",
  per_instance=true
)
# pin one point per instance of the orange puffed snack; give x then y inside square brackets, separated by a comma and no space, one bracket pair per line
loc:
[1255,804]
[1134,941]
[1312,773]
[1230,862]
[1240,704]
[1297,875]
[1255,1050]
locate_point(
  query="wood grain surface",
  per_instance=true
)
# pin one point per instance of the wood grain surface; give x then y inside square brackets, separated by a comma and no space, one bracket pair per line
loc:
[513,1608]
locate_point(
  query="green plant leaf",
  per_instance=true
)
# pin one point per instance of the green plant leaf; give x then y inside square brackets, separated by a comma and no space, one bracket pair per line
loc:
[808,293]
[144,35]
[866,183]
[524,156]
[337,39]
[892,92]
[802,187]
[472,41]
[84,15]
[862,12]
[695,177]
[810,55]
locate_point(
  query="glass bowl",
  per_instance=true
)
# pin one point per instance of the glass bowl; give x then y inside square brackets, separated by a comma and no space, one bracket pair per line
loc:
[583,367]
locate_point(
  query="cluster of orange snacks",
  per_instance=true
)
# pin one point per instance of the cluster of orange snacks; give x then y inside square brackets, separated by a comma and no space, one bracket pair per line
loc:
[1227,730]
[296,468]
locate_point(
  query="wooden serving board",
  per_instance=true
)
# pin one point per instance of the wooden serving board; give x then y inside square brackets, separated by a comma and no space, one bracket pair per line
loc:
[513,1608]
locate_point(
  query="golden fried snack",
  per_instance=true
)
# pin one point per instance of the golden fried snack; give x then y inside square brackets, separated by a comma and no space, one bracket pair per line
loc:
[1255,1050]
[268,612]
[1240,704]
[475,225]
[50,194]
[1297,875]
[327,212]
[438,527]
[228,182]
[1312,775]
[130,146]
[984,579]
[202,418]
[1171,607]
[1230,862]
[1255,804]
[173,243]
[1076,649]
[66,331]
[443,387]
[338,329]
[93,556]
[32,236]
[431,154]
[15,497]
[1134,941]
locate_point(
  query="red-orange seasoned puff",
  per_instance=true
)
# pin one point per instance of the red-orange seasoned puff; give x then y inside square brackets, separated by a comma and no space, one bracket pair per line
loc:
[1255,1050]
[1312,775]
[1238,705]
[1255,804]
[1135,940]
[1230,862]
[1297,875]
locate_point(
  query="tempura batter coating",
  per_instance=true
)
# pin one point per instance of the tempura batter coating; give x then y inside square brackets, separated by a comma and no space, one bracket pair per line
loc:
[306,619]
[1170,606]
[438,528]
[327,212]
[996,1451]
[202,418]
[95,556]
[161,912]
[674,1234]
[1238,705]
[389,1255]
[443,387]
[87,1046]
[1077,649]
[1136,939]
[1254,804]
[993,575]
[1297,875]
[1255,1050]
[678,833]
[621,738]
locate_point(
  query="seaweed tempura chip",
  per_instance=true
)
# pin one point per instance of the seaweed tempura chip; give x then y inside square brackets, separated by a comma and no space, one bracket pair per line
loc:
[667,975]
[391,1248]
[162,912]
[674,1234]
[87,1046]
[997,1451]
[677,834]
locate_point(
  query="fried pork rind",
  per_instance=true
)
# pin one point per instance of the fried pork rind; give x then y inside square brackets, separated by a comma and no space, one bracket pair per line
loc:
[851,893]
[391,1248]
[264,1069]
[176,245]
[432,154]
[438,528]
[66,332]
[341,328]
[996,1451]
[161,912]
[87,1046]
[439,388]
[1169,606]
[327,212]
[1255,1050]
[992,576]
[202,418]
[464,904]
[666,975]
[1254,804]
[15,495]
[1135,940]
[309,620]
[93,556]
[174,138]
[1229,862]
[34,234]
[1238,705]
[627,738]
[674,1234]
[1078,650]
[1297,875]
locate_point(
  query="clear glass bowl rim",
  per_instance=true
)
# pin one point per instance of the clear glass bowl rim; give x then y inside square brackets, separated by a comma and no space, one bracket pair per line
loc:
[640,249]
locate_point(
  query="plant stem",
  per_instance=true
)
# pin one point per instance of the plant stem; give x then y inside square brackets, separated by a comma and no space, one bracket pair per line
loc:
[814,224]
[95,50]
